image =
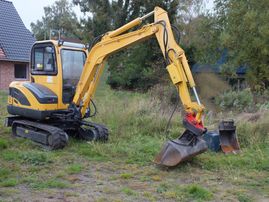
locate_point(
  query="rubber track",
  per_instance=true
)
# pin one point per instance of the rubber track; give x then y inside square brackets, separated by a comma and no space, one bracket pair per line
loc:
[59,137]
[102,130]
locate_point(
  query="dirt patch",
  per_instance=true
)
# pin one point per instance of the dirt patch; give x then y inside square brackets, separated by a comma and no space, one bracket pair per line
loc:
[120,182]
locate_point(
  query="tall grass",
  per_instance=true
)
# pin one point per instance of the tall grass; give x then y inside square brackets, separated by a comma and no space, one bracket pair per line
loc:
[254,130]
[137,125]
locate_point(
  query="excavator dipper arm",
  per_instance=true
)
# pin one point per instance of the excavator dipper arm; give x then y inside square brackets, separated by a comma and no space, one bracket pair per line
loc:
[179,71]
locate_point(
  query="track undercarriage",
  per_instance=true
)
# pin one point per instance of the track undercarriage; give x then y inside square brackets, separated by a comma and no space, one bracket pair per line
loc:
[54,133]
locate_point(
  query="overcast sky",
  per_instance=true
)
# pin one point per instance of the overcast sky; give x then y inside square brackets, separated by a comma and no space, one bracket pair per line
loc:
[32,10]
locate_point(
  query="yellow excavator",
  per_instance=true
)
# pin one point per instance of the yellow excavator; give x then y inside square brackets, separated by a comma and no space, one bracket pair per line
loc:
[56,101]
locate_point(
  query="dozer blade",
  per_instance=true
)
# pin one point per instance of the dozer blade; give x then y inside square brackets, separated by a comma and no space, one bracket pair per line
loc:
[228,139]
[181,149]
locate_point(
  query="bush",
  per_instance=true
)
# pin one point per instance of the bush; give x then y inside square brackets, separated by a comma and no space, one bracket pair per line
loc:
[251,133]
[136,68]
[210,85]
[263,106]
[165,93]
[242,100]
[262,98]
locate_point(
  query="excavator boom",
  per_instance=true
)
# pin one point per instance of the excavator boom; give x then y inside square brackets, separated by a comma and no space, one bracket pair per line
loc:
[190,143]
[177,64]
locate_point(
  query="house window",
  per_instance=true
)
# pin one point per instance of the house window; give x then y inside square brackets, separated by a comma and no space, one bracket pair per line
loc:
[20,71]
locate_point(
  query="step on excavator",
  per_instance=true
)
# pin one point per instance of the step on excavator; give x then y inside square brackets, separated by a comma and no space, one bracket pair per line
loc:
[56,101]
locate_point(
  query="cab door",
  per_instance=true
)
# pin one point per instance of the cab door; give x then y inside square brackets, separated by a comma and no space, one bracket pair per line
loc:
[44,70]
[72,65]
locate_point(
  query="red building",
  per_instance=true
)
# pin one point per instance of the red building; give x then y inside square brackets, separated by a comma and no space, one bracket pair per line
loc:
[15,46]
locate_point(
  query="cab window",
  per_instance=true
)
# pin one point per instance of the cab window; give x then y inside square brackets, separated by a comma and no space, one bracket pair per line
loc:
[72,63]
[44,60]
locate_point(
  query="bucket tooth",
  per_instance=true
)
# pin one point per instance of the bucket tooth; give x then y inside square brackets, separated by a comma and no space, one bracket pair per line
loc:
[180,149]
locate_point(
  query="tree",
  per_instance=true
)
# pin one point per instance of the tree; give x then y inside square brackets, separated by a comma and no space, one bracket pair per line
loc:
[99,19]
[246,36]
[200,30]
[59,16]
[201,39]
[140,66]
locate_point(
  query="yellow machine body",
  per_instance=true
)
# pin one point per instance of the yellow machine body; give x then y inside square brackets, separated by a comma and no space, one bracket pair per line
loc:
[24,101]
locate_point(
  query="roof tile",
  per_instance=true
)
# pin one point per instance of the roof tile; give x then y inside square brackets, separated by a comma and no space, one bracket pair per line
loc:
[16,40]
[2,53]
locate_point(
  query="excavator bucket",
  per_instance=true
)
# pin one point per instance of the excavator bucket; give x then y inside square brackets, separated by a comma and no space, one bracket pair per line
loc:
[181,149]
[228,138]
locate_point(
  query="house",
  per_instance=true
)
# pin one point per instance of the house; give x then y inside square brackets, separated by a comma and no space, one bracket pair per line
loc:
[237,80]
[206,68]
[15,46]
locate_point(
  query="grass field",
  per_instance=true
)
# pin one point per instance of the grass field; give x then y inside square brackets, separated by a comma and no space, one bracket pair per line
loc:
[123,169]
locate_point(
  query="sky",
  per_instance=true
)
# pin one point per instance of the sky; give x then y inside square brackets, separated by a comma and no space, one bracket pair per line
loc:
[32,10]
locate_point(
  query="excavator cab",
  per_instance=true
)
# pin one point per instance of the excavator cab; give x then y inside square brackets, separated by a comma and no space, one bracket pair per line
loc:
[56,68]
[60,61]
